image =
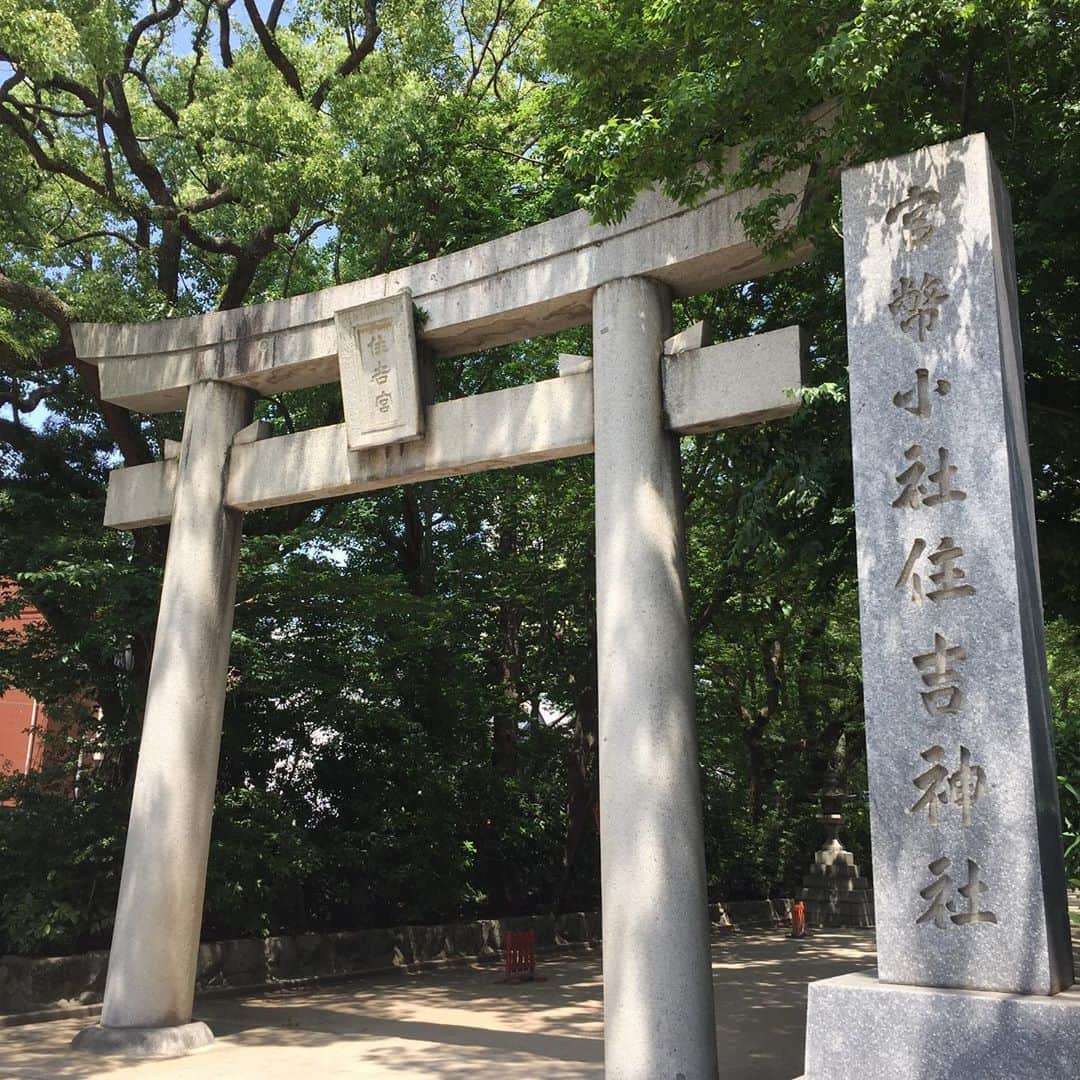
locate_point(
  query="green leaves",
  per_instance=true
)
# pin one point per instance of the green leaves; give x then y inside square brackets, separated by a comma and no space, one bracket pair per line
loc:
[45,39]
[410,725]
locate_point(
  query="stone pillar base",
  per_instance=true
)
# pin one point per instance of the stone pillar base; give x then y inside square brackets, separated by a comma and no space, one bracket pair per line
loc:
[144,1041]
[858,1027]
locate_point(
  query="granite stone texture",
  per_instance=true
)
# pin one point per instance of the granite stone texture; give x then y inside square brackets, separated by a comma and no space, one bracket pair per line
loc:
[736,382]
[144,1041]
[658,994]
[968,871]
[379,369]
[834,891]
[155,941]
[32,983]
[860,1027]
[530,283]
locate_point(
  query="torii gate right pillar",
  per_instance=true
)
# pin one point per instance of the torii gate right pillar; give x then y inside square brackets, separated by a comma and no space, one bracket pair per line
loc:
[658,999]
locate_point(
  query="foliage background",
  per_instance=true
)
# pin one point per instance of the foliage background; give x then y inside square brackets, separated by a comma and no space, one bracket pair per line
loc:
[411,721]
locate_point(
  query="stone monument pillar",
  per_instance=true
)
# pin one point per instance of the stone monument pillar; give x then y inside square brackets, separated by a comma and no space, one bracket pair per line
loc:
[658,1000]
[151,980]
[969,882]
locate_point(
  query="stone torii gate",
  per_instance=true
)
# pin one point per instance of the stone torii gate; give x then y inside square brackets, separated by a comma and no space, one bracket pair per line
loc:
[641,389]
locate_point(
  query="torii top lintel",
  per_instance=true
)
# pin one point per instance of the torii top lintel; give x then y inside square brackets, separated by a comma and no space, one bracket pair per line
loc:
[536,281]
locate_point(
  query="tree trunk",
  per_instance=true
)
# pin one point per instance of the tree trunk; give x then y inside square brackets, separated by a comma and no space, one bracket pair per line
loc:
[772,664]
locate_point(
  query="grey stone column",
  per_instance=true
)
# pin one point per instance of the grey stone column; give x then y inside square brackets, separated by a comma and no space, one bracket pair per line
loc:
[969,878]
[658,1000]
[155,943]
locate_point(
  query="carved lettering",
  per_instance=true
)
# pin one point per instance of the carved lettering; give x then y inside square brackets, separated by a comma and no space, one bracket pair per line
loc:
[917,305]
[949,579]
[915,493]
[963,788]
[917,401]
[942,892]
[914,214]
[945,694]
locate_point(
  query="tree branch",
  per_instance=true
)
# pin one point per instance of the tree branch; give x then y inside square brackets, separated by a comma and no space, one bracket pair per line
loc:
[273,50]
[219,197]
[511,45]
[46,455]
[170,11]
[356,57]
[52,165]
[124,129]
[29,402]
[216,245]
[275,14]
[479,61]
[249,259]
[21,296]
[202,35]
[125,432]
[162,105]
[224,28]
[135,244]
[103,145]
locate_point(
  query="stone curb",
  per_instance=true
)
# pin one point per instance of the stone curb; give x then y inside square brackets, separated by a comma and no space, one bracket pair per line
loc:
[290,985]
[38,989]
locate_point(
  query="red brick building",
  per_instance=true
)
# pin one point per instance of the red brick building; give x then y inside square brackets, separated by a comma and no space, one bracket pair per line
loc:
[23,722]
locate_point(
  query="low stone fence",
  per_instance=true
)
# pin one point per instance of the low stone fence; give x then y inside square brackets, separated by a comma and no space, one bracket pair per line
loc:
[33,987]
[749,914]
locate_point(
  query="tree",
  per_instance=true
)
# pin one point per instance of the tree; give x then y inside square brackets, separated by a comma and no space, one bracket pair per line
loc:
[410,728]
[164,161]
[653,91]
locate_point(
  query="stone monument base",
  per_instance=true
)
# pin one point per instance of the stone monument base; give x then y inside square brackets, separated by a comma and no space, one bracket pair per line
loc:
[858,1027]
[835,893]
[144,1041]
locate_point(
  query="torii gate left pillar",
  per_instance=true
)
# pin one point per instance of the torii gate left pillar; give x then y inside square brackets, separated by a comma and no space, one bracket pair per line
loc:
[155,945]
[629,405]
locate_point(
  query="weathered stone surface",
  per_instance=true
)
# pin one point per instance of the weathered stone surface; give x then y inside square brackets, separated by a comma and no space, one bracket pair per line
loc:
[241,962]
[155,943]
[860,1027]
[530,283]
[141,495]
[658,1002]
[379,368]
[749,913]
[573,364]
[535,422]
[144,1041]
[256,430]
[37,983]
[835,893]
[968,873]
[571,928]
[697,336]
[29,983]
[735,382]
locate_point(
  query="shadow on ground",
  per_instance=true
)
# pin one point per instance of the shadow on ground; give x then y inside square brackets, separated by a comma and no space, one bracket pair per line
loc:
[461,1022]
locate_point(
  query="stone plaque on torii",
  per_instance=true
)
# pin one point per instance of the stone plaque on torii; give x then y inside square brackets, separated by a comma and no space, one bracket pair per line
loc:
[642,389]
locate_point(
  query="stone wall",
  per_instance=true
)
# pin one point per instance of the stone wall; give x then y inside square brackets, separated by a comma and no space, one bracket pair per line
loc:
[31,986]
[749,914]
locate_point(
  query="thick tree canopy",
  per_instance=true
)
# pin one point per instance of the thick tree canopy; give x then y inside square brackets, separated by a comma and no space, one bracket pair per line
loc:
[411,719]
